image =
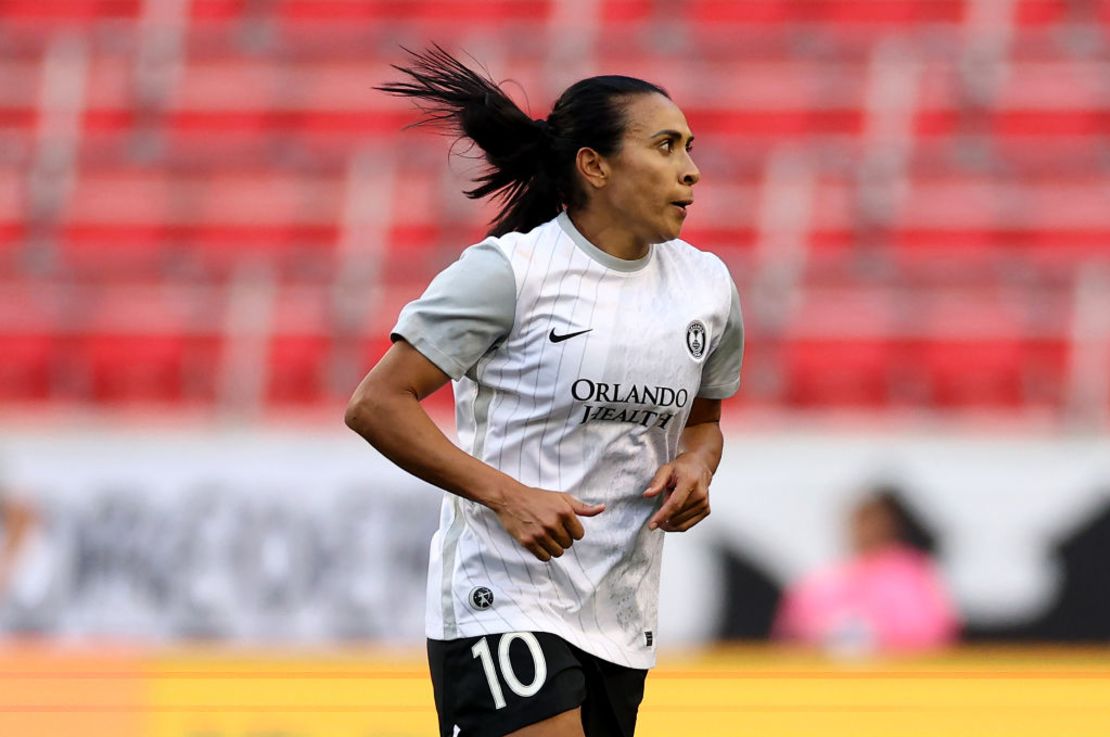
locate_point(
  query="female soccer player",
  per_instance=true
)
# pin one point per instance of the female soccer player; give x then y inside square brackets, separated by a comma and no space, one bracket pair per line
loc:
[590,350]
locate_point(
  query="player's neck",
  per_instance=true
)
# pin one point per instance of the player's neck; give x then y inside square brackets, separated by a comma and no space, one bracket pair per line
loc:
[599,229]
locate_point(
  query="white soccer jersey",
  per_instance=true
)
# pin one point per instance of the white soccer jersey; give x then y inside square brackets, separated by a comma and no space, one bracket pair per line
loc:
[573,371]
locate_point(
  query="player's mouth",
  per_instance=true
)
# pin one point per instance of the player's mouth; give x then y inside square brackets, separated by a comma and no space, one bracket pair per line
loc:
[682,205]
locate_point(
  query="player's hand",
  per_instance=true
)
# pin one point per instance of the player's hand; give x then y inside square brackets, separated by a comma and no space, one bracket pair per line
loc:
[545,522]
[684,483]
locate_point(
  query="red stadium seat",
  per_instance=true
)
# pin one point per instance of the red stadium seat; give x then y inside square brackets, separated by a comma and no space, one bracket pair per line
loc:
[298,369]
[973,372]
[785,12]
[710,12]
[69,11]
[143,368]
[215,220]
[892,12]
[836,372]
[1041,12]
[1045,371]
[777,124]
[26,370]
[488,11]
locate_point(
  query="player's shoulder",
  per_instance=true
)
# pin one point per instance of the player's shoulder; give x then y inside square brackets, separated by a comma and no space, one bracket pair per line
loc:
[482,262]
[508,258]
[520,245]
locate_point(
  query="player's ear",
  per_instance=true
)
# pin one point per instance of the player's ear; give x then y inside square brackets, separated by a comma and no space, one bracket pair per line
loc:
[593,168]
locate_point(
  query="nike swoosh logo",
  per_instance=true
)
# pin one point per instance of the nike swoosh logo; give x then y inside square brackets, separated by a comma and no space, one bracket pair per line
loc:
[560,338]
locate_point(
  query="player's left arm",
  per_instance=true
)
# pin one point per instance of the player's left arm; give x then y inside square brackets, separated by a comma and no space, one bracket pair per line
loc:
[684,482]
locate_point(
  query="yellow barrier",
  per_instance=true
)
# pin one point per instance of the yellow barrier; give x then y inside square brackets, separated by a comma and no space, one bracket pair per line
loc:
[51,692]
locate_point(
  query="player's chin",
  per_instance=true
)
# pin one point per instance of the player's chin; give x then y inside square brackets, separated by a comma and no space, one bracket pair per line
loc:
[670,229]
[676,218]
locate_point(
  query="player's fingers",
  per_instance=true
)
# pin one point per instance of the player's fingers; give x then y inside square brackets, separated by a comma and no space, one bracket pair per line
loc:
[553,548]
[672,527]
[698,512]
[697,498]
[660,481]
[659,517]
[582,508]
[538,551]
[560,535]
[685,519]
[574,527]
[673,503]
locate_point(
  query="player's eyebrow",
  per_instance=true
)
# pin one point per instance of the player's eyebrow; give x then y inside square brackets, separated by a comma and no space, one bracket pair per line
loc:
[671,133]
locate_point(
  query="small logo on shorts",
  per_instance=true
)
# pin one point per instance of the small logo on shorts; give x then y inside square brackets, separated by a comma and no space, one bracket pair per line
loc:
[481,598]
[695,339]
[648,638]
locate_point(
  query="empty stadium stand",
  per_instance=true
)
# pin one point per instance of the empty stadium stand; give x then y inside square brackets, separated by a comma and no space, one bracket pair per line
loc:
[909,192]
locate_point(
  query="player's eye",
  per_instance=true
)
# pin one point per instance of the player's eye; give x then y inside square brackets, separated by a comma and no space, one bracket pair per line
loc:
[667,145]
[690,146]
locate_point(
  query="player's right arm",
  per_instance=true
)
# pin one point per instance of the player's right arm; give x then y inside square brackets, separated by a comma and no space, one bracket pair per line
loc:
[386,411]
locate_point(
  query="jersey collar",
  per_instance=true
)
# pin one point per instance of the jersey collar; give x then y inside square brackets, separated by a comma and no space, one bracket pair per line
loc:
[603,258]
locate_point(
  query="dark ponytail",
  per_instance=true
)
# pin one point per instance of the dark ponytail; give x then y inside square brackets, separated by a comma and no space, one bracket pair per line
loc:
[531,162]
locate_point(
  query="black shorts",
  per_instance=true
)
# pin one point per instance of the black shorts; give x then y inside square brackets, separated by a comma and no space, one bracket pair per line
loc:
[495,684]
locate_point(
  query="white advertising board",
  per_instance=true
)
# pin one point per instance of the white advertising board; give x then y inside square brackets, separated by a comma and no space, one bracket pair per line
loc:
[263,535]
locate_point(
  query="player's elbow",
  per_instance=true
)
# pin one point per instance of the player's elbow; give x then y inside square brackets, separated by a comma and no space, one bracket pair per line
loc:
[371,410]
[360,413]
[354,416]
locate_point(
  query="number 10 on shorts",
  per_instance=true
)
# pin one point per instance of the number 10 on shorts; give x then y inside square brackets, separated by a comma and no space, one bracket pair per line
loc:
[481,651]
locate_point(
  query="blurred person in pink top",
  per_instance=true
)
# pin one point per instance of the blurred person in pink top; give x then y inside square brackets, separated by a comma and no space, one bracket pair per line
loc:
[888,596]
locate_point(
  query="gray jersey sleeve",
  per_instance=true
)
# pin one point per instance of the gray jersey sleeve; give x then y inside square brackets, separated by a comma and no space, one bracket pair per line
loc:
[467,309]
[720,376]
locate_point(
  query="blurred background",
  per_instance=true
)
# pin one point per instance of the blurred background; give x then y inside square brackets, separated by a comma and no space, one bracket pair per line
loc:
[209,221]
